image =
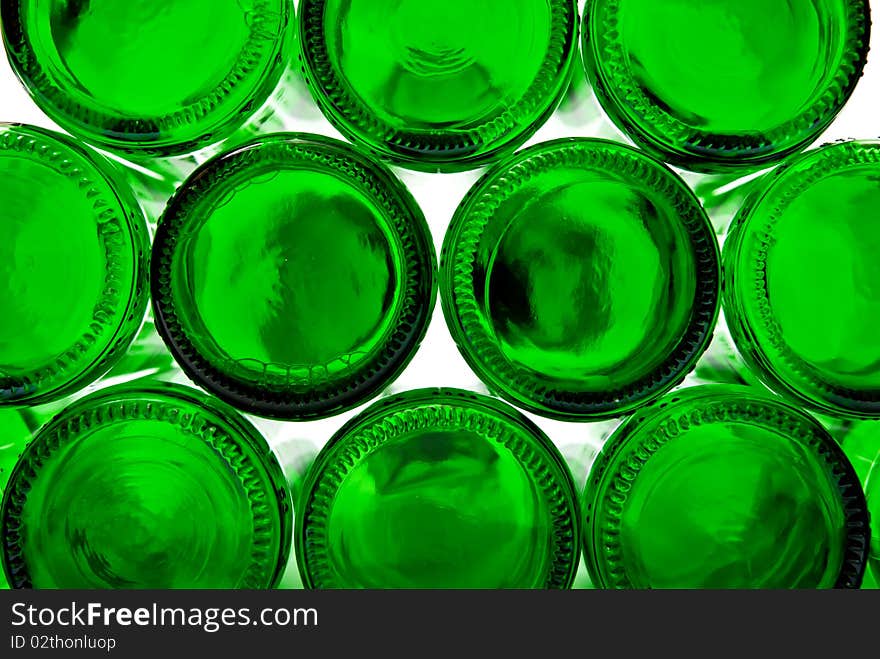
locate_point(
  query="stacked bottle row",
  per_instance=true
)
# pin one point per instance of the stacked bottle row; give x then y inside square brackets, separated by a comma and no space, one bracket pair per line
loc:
[445,85]
[580,279]
[293,277]
[162,487]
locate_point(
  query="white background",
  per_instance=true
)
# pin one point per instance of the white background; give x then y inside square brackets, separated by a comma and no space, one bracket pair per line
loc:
[438,362]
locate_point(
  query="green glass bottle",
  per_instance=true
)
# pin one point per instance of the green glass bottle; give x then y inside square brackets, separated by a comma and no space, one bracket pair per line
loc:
[801,295]
[154,487]
[16,430]
[438,488]
[147,357]
[438,84]
[724,487]
[293,277]
[17,426]
[146,77]
[721,364]
[861,443]
[716,84]
[73,266]
[580,279]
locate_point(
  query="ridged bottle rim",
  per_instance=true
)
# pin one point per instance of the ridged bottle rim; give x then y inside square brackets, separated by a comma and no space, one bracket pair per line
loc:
[425,409]
[433,150]
[414,246]
[641,436]
[695,149]
[749,241]
[112,202]
[142,136]
[234,441]
[479,347]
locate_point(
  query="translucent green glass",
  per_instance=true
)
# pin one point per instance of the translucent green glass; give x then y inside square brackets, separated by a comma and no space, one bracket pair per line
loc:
[438,488]
[721,364]
[144,76]
[712,84]
[861,443]
[146,357]
[157,487]
[724,487]
[580,279]
[438,84]
[73,266]
[293,277]
[16,427]
[802,294]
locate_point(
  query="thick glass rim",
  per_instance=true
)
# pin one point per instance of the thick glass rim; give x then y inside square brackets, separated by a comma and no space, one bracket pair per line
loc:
[433,150]
[229,434]
[141,136]
[74,369]
[418,280]
[640,437]
[749,240]
[479,347]
[396,415]
[693,148]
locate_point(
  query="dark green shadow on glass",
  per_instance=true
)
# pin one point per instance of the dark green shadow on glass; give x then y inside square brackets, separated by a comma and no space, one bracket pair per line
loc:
[802,280]
[156,487]
[724,487]
[716,84]
[293,277]
[580,279]
[438,488]
[73,266]
[861,443]
[147,77]
[438,84]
